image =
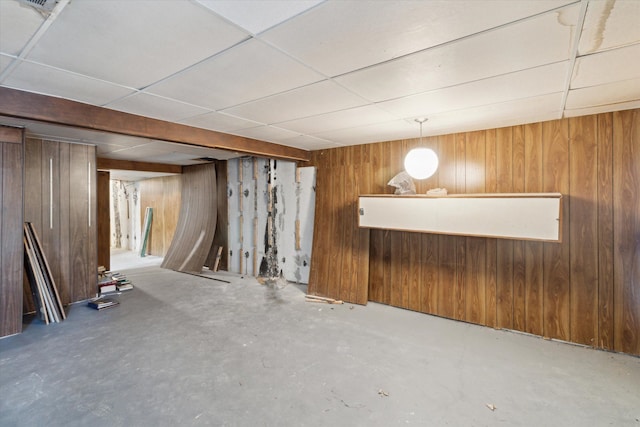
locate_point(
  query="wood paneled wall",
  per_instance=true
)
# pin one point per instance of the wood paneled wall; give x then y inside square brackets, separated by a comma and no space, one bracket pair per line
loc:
[193,237]
[584,290]
[104,220]
[163,195]
[11,258]
[60,201]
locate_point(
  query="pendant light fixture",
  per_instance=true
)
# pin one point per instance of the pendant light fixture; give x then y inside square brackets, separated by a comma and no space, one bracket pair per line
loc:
[421,163]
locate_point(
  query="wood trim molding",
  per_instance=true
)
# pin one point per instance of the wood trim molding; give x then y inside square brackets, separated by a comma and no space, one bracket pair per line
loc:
[129,165]
[11,134]
[31,106]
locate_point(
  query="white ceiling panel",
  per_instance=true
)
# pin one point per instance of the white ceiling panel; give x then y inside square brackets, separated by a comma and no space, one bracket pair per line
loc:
[607,67]
[372,133]
[51,81]
[531,43]
[602,109]
[267,133]
[311,100]
[133,43]
[251,70]
[521,84]
[539,108]
[612,93]
[610,24]
[156,107]
[307,142]
[4,62]
[352,117]
[257,16]
[219,122]
[339,36]
[17,24]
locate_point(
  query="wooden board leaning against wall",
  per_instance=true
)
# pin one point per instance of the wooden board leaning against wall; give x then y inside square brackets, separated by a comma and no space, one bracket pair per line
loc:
[583,290]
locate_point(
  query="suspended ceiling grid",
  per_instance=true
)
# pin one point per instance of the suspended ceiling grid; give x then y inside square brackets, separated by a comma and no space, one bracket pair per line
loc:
[321,74]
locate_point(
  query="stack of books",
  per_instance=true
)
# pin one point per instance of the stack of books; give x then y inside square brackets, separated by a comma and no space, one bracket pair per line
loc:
[112,282]
[122,283]
[102,303]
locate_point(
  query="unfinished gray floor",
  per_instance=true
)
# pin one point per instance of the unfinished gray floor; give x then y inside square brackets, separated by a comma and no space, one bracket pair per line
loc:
[183,350]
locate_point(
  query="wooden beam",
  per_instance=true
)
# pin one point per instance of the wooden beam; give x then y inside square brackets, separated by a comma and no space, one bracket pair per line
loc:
[128,165]
[31,106]
[11,134]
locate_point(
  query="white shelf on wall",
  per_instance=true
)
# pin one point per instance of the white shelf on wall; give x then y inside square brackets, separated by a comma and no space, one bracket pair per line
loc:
[525,216]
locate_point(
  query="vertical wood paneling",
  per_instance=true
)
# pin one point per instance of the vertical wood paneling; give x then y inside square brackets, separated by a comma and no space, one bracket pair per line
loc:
[65,282]
[91,257]
[475,251]
[460,245]
[533,250]
[585,289]
[504,248]
[103,219]
[32,199]
[429,284]
[376,240]
[556,256]
[363,185]
[78,221]
[49,231]
[626,234]
[519,279]
[11,254]
[583,232]
[350,230]
[605,232]
[491,274]
[447,278]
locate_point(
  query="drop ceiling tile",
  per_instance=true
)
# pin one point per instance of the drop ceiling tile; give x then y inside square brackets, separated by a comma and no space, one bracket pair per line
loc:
[5,60]
[631,105]
[339,36]
[133,43]
[147,105]
[398,129]
[493,90]
[607,67]
[257,16]
[249,71]
[611,93]
[17,24]
[609,25]
[307,142]
[266,133]
[219,122]
[539,108]
[349,118]
[54,82]
[318,98]
[538,41]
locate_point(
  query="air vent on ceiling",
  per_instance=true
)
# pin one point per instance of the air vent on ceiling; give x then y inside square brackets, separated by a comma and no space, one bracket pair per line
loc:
[41,5]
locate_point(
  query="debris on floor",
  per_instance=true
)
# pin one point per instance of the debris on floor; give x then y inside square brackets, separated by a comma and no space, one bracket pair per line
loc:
[383,393]
[325,300]
[491,406]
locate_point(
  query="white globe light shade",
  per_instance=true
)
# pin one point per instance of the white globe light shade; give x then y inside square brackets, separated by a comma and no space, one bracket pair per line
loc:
[421,163]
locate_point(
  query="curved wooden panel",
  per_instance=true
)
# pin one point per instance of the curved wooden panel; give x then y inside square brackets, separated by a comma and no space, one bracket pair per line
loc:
[197,221]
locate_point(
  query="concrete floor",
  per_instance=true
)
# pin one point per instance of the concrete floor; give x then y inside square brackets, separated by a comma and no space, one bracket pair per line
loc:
[189,351]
